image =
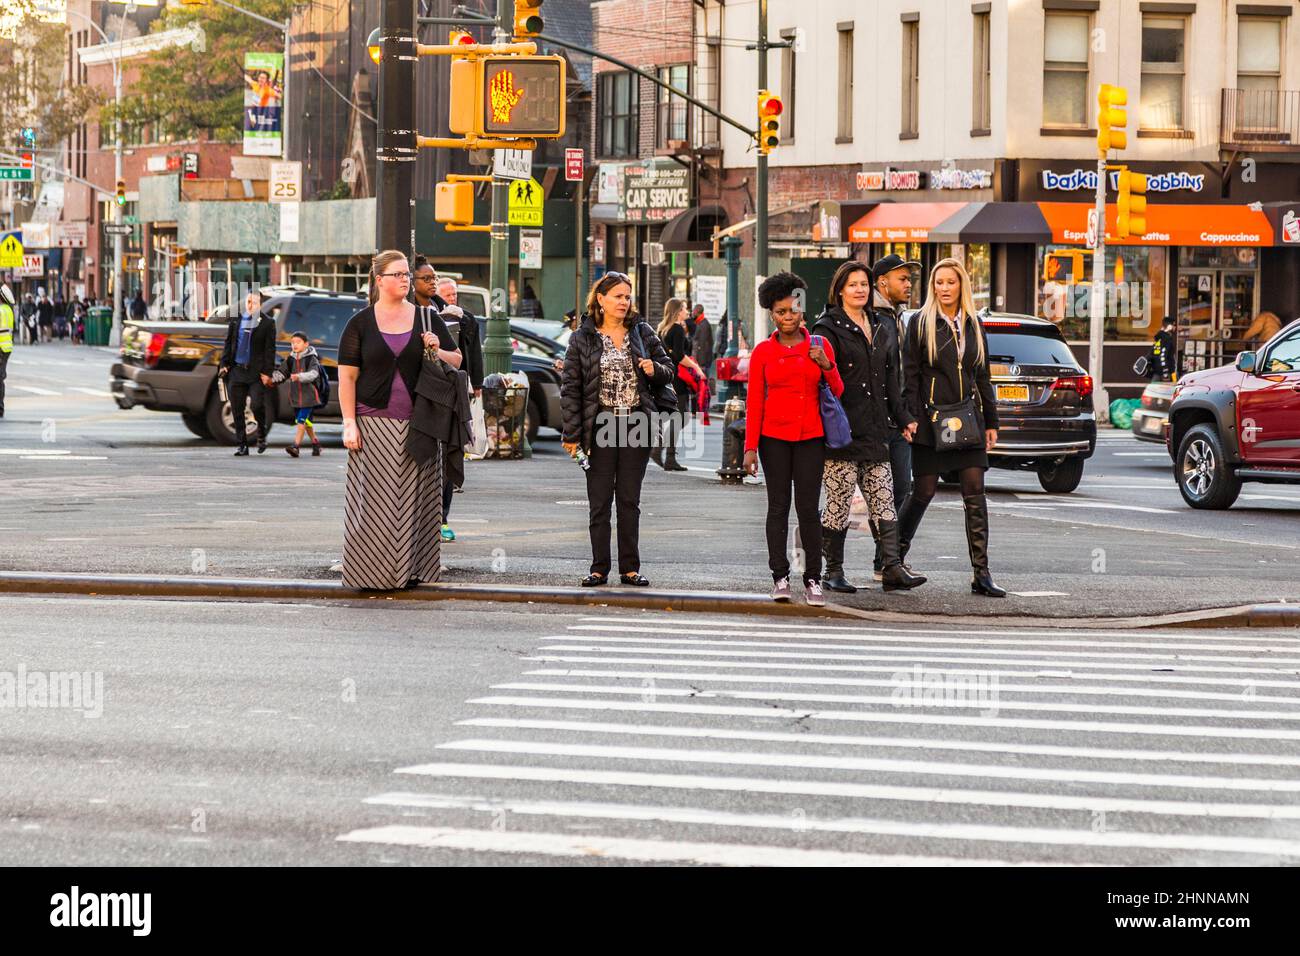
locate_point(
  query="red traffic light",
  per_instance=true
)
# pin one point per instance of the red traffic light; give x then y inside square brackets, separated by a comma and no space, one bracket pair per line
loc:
[770,105]
[461,38]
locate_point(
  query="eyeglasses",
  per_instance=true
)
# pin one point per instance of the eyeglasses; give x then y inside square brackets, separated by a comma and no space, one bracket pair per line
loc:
[425,277]
[395,275]
[620,276]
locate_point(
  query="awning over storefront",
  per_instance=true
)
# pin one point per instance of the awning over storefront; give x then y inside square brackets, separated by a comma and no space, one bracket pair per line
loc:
[994,222]
[691,230]
[1203,224]
[902,221]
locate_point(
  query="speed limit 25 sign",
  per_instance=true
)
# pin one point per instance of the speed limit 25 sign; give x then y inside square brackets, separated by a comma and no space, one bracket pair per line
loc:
[286,182]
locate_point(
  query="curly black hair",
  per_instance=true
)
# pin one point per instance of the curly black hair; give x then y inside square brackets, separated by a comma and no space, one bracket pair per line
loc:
[778,287]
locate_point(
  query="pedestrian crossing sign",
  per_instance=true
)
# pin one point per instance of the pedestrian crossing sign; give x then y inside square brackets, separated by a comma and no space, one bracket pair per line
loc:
[525,203]
[11,252]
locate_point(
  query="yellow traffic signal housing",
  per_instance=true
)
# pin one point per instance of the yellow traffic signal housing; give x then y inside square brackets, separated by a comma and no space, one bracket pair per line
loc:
[454,203]
[120,194]
[1131,207]
[182,258]
[1111,120]
[528,18]
[769,121]
[508,96]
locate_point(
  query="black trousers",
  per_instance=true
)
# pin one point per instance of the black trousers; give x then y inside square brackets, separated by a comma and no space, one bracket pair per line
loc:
[900,461]
[614,478]
[244,386]
[796,464]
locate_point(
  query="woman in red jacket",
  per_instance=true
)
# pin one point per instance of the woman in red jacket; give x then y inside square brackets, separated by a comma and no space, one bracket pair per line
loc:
[783,427]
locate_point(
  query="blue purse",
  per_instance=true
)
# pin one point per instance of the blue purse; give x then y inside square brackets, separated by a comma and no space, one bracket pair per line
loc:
[835,423]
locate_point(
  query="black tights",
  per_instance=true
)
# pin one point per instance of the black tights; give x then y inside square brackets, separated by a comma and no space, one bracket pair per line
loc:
[972,485]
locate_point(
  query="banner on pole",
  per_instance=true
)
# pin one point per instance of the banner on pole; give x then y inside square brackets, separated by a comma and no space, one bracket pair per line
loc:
[263,96]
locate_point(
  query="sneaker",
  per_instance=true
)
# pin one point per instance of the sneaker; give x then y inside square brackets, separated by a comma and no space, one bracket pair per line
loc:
[812,591]
[291,451]
[781,590]
[447,533]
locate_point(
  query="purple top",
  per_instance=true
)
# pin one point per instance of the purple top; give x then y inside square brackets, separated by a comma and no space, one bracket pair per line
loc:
[399,399]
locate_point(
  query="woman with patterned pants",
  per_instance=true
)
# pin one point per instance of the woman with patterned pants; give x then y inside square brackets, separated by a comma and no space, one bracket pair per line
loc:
[872,400]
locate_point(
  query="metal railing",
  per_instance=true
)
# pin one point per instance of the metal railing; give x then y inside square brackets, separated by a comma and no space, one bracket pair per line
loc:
[1260,119]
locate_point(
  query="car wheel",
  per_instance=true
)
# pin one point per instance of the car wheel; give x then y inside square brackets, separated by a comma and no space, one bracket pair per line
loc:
[220,422]
[1062,477]
[1202,471]
[533,419]
[197,424]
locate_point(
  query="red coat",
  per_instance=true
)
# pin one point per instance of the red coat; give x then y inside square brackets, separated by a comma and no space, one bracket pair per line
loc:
[783,391]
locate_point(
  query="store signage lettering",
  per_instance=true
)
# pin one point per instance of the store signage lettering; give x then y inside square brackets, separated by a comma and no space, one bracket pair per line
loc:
[949,178]
[1081,179]
[654,192]
[886,179]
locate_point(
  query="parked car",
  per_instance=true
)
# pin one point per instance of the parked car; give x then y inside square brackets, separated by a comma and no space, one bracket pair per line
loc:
[1238,423]
[1150,419]
[1044,396]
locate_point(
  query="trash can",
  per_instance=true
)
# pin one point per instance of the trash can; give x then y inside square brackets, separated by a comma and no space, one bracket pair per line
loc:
[733,443]
[99,325]
[505,414]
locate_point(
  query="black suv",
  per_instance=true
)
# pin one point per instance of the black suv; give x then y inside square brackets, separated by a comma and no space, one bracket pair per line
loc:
[1047,423]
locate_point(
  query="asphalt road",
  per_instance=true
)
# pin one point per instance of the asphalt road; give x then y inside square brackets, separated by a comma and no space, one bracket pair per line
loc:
[387,734]
[89,487]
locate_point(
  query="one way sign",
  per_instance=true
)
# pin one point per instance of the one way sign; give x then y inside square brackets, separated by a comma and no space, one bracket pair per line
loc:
[525,203]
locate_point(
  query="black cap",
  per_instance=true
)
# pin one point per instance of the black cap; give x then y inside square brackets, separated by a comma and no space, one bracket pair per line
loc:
[889,263]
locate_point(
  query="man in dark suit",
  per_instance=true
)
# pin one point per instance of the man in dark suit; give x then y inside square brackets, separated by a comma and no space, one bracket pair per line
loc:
[247,361]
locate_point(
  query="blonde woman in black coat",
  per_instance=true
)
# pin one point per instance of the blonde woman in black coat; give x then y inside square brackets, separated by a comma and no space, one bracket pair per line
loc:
[945,362]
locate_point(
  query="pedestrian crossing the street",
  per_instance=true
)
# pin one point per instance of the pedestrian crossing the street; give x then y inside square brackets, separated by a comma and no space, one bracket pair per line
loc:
[678,738]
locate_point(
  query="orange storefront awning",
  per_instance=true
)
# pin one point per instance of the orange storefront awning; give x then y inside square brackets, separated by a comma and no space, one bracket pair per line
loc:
[902,221]
[1167,225]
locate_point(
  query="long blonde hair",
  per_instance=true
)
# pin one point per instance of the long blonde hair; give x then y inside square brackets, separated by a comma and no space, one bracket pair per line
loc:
[929,315]
[672,308]
[377,265]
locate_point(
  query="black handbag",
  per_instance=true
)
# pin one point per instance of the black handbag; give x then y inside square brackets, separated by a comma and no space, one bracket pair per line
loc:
[665,396]
[955,427]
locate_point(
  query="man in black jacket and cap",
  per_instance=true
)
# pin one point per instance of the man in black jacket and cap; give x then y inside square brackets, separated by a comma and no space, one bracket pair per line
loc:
[247,363]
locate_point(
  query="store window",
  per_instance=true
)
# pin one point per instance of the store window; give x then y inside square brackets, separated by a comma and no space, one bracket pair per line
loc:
[1163,40]
[1137,278]
[1065,69]
[908,252]
[976,257]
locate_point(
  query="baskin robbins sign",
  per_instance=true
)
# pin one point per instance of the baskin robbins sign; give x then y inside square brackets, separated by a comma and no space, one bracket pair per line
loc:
[1077,180]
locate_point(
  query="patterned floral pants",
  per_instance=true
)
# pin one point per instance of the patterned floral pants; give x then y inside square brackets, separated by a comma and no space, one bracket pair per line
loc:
[840,478]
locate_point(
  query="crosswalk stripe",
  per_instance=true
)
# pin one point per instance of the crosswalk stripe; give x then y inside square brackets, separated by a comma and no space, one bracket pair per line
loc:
[903,676]
[1009,652]
[862,791]
[634,850]
[1055,671]
[32,389]
[890,717]
[806,738]
[1046,836]
[97,392]
[874,764]
[913,699]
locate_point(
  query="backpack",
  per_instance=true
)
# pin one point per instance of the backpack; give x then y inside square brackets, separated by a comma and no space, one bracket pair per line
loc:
[322,384]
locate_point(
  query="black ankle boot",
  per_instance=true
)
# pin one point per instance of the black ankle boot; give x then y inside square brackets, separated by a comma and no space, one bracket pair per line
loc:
[670,459]
[833,553]
[909,519]
[977,539]
[894,576]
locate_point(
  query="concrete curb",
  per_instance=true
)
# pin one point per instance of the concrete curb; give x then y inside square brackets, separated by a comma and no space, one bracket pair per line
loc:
[719,602]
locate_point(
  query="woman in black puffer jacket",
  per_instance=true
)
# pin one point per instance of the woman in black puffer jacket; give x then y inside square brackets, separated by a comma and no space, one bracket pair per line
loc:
[613,366]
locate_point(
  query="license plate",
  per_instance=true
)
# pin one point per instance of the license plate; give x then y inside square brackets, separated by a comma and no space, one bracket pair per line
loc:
[1152,425]
[1013,393]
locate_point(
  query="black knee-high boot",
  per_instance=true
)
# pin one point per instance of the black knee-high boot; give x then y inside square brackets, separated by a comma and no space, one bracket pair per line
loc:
[833,554]
[894,576]
[909,519]
[977,539]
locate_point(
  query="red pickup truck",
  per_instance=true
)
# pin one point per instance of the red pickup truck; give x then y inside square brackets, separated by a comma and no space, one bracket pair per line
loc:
[1238,423]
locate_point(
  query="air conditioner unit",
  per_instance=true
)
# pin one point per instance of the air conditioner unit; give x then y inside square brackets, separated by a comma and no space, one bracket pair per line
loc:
[652,253]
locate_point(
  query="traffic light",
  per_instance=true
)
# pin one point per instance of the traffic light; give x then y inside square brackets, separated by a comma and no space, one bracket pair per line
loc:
[29,137]
[120,194]
[454,203]
[372,45]
[528,18]
[508,96]
[1111,120]
[460,38]
[182,257]
[769,122]
[1131,209]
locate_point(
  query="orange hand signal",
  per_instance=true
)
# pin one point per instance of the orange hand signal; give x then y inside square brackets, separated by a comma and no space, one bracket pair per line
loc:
[503,96]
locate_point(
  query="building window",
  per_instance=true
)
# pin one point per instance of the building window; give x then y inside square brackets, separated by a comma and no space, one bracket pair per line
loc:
[787,87]
[709,89]
[1163,40]
[617,99]
[911,100]
[1259,71]
[671,111]
[844,127]
[1065,69]
[981,81]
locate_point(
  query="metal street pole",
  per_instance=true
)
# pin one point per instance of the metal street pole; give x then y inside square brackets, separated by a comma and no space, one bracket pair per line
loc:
[119,273]
[496,344]
[760,187]
[579,263]
[1097,305]
[396,148]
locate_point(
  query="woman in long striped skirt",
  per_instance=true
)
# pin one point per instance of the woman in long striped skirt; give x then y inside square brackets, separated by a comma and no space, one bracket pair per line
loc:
[394,505]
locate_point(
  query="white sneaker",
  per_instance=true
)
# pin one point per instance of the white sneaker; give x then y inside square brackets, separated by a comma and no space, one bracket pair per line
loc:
[812,591]
[781,590]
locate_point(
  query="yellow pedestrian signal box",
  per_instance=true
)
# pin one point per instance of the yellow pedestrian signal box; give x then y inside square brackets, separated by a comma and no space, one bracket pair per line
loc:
[1064,268]
[1111,119]
[769,121]
[454,203]
[1131,207]
[508,96]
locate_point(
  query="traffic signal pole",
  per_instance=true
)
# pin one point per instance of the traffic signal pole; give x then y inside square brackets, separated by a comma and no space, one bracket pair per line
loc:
[1097,306]
[396,149]
[760,173]
[496,345]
